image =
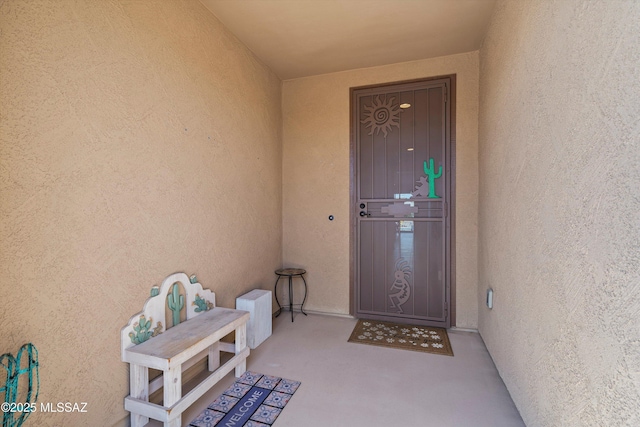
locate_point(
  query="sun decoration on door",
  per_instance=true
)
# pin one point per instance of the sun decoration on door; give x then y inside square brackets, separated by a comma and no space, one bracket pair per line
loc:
[382,115]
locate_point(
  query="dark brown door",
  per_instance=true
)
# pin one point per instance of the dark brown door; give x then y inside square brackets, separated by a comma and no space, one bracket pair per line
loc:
[402,206]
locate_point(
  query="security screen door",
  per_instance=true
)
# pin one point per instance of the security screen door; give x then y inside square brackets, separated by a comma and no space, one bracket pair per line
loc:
[402,211]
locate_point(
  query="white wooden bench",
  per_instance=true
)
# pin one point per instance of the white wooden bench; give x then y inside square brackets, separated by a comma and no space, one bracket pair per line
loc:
[147,342]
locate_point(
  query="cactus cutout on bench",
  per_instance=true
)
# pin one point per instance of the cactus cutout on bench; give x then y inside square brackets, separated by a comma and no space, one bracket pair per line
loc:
[143,330]
[176,303]
[429,170]
[201,304]
[13,367]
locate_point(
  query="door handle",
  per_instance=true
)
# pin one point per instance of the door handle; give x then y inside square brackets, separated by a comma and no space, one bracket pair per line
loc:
[363,213]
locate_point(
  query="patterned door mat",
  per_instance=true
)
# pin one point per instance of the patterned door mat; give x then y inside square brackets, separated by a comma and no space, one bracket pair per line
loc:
[407,337]
[254,400]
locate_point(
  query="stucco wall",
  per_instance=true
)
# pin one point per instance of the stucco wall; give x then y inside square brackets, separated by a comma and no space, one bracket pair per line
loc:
[137,139]
[316,177]
[559,208]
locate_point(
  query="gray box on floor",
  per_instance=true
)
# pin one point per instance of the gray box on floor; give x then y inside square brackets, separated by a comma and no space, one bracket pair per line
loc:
[258,304]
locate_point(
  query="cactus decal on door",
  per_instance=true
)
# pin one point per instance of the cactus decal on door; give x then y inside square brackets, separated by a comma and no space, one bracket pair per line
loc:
[428,182]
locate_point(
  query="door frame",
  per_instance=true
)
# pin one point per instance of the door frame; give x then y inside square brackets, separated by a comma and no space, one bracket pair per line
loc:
[353,122]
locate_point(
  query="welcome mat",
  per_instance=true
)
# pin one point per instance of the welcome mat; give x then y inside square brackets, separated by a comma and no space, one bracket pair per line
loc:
[406,337]
[254,400]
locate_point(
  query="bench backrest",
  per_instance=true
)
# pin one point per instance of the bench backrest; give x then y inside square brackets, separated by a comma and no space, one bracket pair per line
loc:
[178,295]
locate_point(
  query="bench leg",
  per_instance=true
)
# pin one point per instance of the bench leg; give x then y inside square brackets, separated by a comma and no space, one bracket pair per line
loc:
[241,343]
[214,356]
[173,393]
[139,389]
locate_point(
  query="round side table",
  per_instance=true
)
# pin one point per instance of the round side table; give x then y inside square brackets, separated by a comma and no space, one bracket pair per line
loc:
[290,273]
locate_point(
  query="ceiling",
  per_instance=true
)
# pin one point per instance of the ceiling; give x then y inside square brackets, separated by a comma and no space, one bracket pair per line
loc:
[298,38]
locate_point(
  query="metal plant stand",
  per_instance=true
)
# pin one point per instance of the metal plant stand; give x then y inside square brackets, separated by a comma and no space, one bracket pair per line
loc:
[290,273]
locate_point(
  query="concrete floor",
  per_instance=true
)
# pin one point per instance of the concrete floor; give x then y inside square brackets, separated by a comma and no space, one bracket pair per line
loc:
[354,385]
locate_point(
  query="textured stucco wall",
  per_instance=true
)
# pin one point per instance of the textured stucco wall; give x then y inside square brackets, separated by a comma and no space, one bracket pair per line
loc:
[316,177]
[137,139]
[559,202]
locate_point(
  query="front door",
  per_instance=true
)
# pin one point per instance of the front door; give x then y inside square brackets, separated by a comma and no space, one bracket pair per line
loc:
[402,208]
